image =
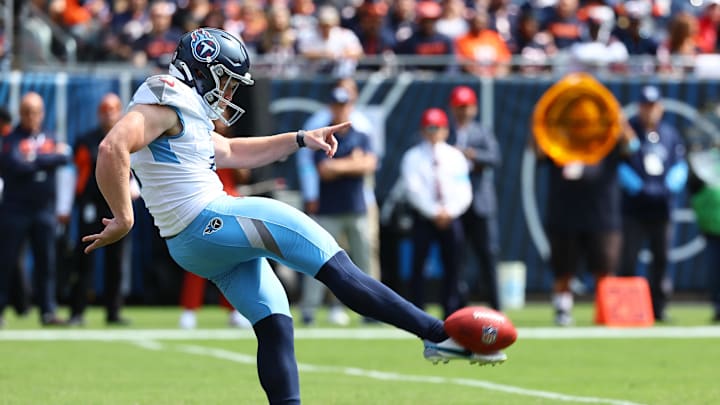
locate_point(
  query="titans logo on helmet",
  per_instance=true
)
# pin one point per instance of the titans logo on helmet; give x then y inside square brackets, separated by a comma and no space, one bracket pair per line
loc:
[489,335]
[214,225]
[205,47]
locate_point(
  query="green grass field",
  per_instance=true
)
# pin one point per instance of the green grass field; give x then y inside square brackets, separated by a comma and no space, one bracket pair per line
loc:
[153,362]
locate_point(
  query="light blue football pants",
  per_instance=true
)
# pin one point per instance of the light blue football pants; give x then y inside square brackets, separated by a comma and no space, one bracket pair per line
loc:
[228,243]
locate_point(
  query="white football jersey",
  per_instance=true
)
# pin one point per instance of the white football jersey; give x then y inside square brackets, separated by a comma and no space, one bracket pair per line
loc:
[176,173]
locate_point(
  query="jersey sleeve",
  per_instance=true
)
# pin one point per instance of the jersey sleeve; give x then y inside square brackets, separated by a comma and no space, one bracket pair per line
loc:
[160,89]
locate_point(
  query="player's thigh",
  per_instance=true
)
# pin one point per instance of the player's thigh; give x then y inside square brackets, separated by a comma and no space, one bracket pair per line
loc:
[254,290]
[235,230]
[287,234]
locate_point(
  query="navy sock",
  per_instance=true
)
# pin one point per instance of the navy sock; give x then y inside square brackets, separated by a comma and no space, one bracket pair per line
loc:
[276,364]
[369,297]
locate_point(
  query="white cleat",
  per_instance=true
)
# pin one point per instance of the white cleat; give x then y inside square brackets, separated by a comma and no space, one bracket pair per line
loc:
[338,316]
[449,350]
[187,320]
[563,318]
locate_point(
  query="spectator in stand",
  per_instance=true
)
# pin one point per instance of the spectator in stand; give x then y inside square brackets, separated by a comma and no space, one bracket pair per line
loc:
[29,159]
[372,31]
[482,51]
[437,185]
[453,21]
[331,49]
[535,48]
[503,18]
[190,14]
[156,47]
[85,20]
[232,11]
[279,41]
[677,54]
[91,209]
[125,29]
[632,30]
[708,24]
[599,51]
[426,41]
[214,19]
[482,152]
[562,23]
[401,19]
[303,18]
[193,286]
[254,23]
[651,179]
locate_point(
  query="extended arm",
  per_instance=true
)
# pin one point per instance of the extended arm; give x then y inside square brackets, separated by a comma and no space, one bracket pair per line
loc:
[249,153]
[139,127]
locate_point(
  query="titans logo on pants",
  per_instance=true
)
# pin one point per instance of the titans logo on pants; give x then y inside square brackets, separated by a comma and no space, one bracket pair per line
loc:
[214,225]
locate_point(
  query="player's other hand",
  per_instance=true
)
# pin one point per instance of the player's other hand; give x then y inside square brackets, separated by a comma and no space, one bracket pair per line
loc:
[323,138]
[114,231]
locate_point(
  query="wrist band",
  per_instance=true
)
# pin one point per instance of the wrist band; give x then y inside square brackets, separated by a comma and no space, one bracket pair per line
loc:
[300,138]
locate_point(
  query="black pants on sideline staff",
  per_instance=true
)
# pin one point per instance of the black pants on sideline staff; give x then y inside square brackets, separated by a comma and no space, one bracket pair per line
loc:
[450,241]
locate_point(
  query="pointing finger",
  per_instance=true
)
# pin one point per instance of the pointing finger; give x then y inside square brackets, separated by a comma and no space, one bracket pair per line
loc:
[340,127]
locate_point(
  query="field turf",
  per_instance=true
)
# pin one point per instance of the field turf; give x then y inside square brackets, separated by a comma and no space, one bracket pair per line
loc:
[153,362]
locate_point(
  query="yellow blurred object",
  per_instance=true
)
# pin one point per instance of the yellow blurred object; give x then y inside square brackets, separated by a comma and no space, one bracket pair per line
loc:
[577,120]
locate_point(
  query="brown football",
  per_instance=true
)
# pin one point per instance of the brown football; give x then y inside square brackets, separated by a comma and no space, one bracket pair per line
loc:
[481,329]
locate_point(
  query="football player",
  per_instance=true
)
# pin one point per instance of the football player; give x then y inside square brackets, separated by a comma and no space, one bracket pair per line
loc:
[167,138]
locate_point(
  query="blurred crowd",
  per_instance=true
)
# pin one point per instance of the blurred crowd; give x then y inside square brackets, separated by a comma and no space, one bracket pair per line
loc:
[483,37]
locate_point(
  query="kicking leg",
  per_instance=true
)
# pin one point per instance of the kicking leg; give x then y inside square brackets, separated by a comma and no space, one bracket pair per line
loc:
[369,297]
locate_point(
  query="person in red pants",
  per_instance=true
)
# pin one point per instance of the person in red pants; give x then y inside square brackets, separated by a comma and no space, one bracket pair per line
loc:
[192,294]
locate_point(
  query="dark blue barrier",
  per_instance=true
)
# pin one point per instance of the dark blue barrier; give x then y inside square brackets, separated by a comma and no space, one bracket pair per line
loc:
[506,103]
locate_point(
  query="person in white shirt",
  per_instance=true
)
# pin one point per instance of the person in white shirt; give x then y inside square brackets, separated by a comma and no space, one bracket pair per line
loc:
[331,48]
[437,185]
[600,51]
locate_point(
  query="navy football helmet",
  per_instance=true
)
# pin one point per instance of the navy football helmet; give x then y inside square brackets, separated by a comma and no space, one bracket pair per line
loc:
[216,64]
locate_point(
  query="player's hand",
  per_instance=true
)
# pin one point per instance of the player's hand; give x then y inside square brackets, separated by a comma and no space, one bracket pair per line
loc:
[114,231]
[323,138]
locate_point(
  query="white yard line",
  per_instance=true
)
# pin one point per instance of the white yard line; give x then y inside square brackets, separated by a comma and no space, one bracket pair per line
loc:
[149,340]
[390,376]
[674,332]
